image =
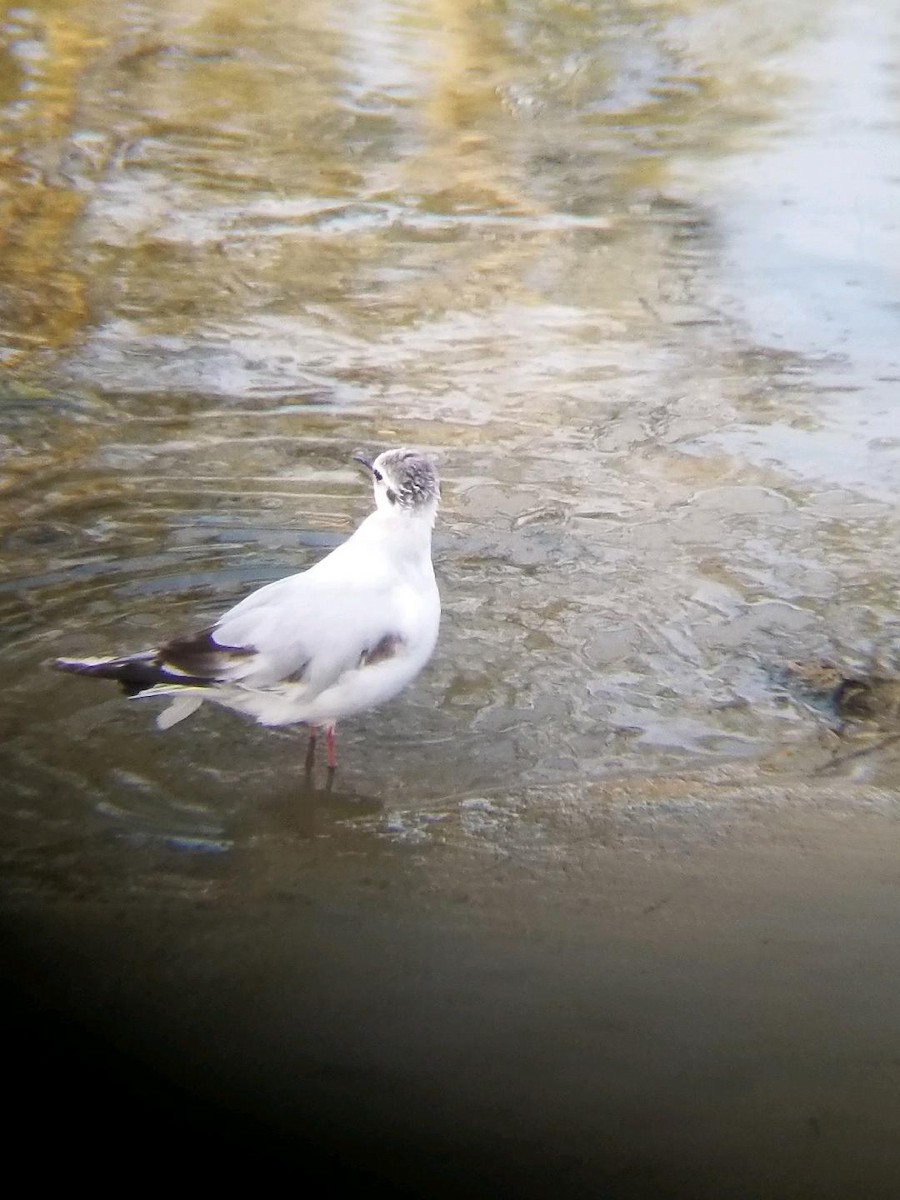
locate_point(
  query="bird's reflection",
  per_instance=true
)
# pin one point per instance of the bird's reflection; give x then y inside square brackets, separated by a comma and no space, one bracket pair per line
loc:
[308,807]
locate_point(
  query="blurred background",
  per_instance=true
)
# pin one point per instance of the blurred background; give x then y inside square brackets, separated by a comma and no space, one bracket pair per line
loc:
[606,903]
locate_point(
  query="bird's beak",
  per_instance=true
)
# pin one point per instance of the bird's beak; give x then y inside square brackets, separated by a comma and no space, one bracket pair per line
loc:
[363,461]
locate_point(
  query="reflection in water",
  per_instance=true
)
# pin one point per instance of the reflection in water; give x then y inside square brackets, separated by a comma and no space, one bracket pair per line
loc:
[808,228]
[42,295]
[307,808]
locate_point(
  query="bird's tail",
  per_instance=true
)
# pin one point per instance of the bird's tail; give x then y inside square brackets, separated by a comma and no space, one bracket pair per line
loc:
[134,673]
[138,674]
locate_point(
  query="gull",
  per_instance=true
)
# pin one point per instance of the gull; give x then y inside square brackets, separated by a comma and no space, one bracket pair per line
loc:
[345,635]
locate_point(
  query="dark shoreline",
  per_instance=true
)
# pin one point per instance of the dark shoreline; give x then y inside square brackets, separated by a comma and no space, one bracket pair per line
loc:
[734,1036]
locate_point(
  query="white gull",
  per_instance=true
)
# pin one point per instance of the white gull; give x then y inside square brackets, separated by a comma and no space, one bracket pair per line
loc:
[347,634]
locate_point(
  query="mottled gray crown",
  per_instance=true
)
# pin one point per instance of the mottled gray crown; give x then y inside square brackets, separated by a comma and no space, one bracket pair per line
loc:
[411,477]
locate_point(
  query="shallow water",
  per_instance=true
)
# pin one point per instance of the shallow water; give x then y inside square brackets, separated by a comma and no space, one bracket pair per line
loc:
[628,270]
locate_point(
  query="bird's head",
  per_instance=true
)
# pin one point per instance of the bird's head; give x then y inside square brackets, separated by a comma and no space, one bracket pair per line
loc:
[405,481]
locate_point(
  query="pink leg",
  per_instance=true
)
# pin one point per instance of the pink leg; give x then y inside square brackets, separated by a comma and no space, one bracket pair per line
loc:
[310,751]
[329,747]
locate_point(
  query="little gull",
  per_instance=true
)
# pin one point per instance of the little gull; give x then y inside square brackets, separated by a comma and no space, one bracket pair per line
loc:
[343,636]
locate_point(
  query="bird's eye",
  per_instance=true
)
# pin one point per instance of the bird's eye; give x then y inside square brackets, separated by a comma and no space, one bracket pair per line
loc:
[378,475]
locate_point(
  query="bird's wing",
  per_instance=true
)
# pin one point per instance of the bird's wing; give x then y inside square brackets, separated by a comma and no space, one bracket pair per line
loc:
[302,629]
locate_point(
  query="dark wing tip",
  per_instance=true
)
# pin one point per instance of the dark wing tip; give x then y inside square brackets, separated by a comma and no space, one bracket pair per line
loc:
[200,655]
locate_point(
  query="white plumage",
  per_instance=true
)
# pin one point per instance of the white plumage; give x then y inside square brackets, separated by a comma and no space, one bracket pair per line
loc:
[347,634]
